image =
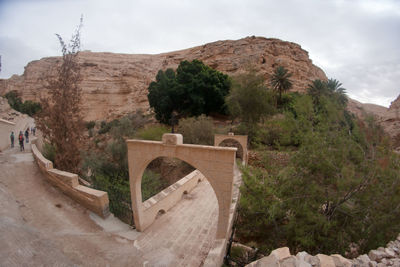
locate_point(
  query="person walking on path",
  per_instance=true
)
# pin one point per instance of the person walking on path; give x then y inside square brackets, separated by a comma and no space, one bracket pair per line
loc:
[21,141]
[12,139]
[27,135]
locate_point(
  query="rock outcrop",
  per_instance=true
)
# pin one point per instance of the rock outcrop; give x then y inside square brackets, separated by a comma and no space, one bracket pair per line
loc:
[115,84]
[388,118]
[389,256]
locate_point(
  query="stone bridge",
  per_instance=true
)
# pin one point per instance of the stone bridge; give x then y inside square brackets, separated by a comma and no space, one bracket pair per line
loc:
[193,230]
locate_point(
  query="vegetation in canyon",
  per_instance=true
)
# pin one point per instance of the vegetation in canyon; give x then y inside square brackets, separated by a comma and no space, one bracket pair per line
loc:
[27,107]
[318,179]
[338,187]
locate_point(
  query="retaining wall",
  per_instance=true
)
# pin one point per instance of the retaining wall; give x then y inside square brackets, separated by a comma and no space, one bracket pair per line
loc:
[5,130]
[92,199]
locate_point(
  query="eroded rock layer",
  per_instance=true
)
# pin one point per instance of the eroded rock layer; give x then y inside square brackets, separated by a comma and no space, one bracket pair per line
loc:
[115,84]
[388,118]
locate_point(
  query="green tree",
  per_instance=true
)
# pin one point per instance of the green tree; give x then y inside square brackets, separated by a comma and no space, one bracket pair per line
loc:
[249,98]
[195,89]
[340,187]
[332,88]
[164,95]
[335,87]
[280,81]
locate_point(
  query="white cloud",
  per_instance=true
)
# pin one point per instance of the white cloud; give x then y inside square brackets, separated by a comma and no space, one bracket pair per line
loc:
[352,41]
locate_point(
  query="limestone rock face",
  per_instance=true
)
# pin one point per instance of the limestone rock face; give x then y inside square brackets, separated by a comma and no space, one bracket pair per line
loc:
[115,84]
[391,120]
[388,118]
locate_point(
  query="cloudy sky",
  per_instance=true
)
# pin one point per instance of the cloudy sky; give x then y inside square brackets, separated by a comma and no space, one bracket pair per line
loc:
[354,41]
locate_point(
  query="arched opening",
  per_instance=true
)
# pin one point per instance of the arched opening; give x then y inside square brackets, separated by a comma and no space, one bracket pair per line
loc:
[233,143]
[161,173]
[193,217]
[216,163]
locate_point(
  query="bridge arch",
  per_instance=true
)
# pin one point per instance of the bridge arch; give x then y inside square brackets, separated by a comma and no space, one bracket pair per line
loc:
[241,140]
[217,164]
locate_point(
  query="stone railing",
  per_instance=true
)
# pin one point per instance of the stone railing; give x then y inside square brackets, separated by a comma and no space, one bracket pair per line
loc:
[168,197]
[217,252]
[94,200]
[389,256]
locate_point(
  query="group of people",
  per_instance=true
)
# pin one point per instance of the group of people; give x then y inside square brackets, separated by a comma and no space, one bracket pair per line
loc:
[21,138]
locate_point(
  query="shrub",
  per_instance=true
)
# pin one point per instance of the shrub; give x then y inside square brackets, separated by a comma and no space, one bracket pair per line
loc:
[249,99]
[27,107]
[49,151]
[198,130]
[119,195]
[104,127]
[154,132]
[90,124]
[152,184]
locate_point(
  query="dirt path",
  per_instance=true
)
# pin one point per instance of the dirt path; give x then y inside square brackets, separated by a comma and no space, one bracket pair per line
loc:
[40,226]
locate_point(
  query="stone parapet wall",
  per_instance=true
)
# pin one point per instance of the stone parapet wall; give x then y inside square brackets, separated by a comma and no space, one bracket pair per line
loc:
[389,256]
[168,197]
[94,200]
[217,252]
[5,130]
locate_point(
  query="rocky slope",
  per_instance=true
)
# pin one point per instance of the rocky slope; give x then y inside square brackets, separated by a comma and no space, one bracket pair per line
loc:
[389,256]
[388,118]
[114,84]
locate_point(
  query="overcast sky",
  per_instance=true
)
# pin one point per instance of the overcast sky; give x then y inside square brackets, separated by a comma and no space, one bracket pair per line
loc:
[354,41]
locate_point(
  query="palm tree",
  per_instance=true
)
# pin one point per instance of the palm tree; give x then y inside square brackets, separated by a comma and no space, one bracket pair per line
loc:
[335,87]
[317,88]
[331,88]
[280,80]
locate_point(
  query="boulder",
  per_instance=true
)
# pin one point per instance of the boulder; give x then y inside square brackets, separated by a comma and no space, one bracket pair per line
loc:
[281,253]
[325,261]
[376,255]
[341,261]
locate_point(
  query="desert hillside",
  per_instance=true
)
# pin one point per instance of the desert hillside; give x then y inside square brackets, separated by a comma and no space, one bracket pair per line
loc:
[115,84]
[388,118]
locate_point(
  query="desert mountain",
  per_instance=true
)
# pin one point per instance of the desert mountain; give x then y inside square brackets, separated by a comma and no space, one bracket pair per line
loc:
[388,118]
[115,84]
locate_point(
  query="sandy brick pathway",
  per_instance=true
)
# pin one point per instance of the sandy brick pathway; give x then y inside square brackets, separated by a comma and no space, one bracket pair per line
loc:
[182,236]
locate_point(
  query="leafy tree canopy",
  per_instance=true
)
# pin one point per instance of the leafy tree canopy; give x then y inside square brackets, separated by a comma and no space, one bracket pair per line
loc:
[249,98]
[340,187]
[193,90]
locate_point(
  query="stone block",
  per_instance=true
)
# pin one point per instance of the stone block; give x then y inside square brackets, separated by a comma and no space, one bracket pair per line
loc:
[325,261]
[270,261]
[281,253]
[172,139]
[70,179]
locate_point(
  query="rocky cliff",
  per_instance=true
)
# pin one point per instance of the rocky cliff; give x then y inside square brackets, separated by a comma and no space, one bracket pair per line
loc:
[388,118]
[115,84]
